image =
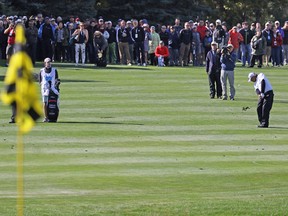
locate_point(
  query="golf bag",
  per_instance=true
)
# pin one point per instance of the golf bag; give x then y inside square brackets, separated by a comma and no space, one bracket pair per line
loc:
[101,60]
[53,104]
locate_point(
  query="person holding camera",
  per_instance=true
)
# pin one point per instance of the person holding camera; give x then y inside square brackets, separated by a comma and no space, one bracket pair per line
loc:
[258,44]
[264,90]
[228,60]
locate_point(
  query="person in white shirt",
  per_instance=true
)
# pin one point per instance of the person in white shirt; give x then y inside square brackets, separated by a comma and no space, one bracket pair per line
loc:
[264,90]
[47,79]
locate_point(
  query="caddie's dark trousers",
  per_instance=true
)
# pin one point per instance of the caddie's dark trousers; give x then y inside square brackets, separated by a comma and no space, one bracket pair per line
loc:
[264,107]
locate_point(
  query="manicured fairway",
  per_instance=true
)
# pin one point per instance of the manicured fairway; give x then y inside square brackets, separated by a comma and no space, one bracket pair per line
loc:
[150,141]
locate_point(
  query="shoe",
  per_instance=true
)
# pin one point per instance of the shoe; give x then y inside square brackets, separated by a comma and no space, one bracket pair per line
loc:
[129,64]
[76,65]
[250,66]
[144,65]
[262,126]
[212,97]
[138,64]
[12,121]
[224,98]
[259,66]
[45,120]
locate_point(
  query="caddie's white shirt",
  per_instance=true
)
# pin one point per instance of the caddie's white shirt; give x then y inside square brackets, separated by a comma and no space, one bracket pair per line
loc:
[257,84]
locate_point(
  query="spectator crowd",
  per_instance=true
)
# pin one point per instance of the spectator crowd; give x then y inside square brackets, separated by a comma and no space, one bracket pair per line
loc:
[127,42]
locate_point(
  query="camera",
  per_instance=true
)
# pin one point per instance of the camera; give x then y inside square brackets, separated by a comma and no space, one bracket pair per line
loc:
[224,50]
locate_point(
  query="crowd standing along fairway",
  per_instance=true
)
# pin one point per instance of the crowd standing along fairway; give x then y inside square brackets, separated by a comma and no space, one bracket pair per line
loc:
[150,141]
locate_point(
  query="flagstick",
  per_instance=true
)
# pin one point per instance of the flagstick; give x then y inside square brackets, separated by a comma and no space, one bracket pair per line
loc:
[20,174]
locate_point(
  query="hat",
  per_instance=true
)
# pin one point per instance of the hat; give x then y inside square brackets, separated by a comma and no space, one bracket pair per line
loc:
[109,22]
[77,19]
[47,60]
[97,33]
[146,25]
[129,22]
[218,21]
[251,75]
[52,19]
[230,45]
[190,21]
[214,43]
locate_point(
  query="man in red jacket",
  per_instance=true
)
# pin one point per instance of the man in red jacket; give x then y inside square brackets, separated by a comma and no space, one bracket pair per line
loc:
[162,54]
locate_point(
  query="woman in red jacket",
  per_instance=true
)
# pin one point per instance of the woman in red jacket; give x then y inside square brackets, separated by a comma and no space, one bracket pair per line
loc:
[276,47]
[161,54]
[235,38]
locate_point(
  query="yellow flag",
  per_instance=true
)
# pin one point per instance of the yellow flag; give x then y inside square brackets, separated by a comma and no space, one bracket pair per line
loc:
[20,89]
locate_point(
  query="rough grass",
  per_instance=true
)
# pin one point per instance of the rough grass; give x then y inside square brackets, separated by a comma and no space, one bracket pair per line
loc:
[149,141]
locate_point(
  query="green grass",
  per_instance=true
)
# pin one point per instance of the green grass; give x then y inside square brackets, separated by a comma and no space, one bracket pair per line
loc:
[149,141]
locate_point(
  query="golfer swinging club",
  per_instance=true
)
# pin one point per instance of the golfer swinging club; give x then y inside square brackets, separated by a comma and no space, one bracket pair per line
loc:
[265,92]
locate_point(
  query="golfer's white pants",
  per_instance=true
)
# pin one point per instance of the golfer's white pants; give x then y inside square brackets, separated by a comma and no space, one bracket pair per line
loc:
[80,48]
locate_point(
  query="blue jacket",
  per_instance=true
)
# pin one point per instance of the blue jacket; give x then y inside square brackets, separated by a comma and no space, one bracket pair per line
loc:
[40,32]
[228,61]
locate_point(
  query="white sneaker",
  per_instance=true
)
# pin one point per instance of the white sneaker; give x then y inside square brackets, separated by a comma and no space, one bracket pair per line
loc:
[129,64]
[144,64]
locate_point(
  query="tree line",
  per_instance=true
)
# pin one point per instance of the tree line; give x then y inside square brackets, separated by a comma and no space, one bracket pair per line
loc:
[161,11]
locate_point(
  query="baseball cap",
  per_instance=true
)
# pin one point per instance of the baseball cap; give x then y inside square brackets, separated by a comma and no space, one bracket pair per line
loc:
[250,76]
[214,43]
[230,45]
[46,60]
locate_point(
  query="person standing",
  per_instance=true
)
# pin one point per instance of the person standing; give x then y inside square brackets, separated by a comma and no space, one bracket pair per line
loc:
[10,31]
[267,33]
[46,34]
[153,43]
[247,35]
[285,42]
[185,38]
[138,36]
[32,37]
[81,36]
[265,93]
[123,36]
[111,50]
[228,60]
[47,79]
[276,47]
[258,44]
[213,68]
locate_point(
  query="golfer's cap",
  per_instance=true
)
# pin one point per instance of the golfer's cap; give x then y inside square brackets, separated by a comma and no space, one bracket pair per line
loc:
[250,76]
[47,60]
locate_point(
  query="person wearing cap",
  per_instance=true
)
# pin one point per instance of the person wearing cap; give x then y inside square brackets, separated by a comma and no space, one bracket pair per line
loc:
[267,33]
[91,50]
[219,34]
[173,46]
[258,44]
[47,80]
[213,68]
[228,60]
[247,35]
[265,93]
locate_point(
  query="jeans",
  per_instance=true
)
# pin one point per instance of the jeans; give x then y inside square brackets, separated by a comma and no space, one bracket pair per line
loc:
[246,53]
[275,54]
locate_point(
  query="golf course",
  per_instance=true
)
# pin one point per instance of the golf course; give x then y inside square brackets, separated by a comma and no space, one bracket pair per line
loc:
[149,141]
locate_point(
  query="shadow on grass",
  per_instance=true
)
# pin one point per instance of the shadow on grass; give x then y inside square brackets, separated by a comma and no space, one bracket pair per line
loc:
[79,81]
[2,78]
[101,123]
[279,128]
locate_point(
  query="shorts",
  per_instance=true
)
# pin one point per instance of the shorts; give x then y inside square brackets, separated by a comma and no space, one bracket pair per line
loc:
[268,51]
[45,99]
[10,49]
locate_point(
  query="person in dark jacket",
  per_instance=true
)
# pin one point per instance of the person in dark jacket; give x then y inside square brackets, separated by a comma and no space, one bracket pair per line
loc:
[213,67]
[267,33]
[111,50]
[91,50]
[228,60]
[138,36]
[247,35]
[173,46]
[123,36]
[164,35]
[46,34]
[185,37]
